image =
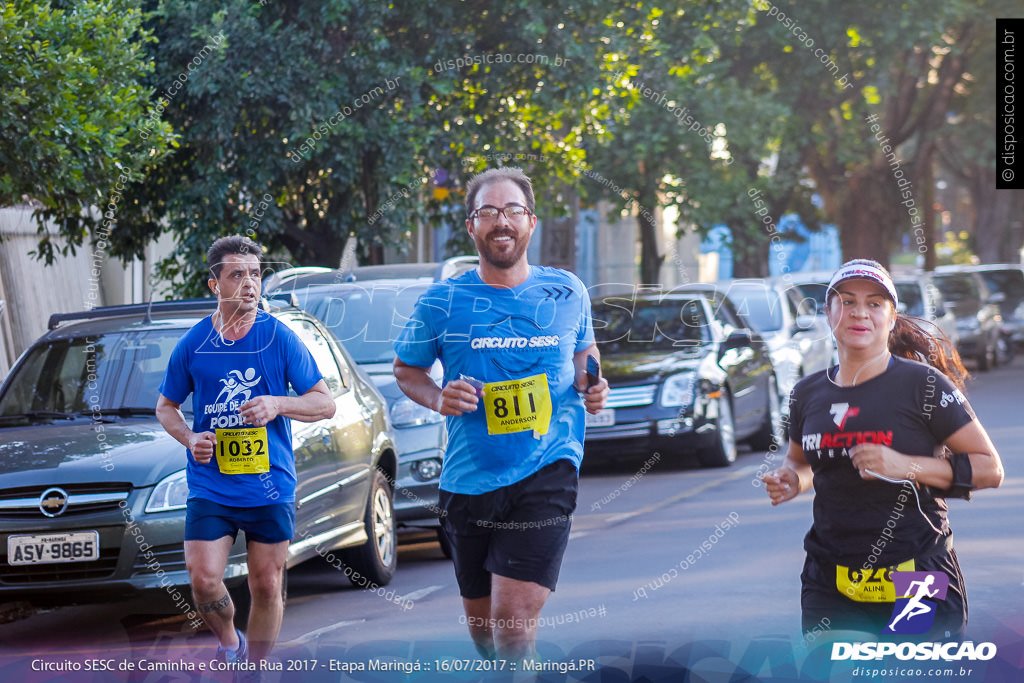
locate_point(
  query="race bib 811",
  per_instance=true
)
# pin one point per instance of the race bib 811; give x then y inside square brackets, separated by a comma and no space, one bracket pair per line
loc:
[518,405]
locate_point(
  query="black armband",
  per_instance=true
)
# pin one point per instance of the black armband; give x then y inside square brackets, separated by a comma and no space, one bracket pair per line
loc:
[963,474]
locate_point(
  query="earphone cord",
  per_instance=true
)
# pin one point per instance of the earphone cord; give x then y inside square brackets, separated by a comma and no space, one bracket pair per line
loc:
[854,382]
[917,498]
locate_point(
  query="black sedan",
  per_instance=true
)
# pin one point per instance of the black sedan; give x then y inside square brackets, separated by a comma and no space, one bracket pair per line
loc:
[686,376]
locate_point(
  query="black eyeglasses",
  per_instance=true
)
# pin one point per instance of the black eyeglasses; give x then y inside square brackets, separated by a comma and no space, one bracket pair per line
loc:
[489,214]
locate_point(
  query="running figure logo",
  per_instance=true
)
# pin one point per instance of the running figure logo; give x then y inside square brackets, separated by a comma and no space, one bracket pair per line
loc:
[912,614]
[842,411]
[236,384]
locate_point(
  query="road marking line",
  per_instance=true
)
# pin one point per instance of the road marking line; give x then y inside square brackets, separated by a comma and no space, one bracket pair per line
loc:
[421,593]
[326,629]
[736,474]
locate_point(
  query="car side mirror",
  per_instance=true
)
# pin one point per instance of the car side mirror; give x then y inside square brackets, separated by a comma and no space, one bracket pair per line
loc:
[736,340]
[940,311]
[997,298]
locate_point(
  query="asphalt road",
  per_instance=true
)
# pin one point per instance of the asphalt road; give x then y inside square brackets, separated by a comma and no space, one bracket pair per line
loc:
[669,567]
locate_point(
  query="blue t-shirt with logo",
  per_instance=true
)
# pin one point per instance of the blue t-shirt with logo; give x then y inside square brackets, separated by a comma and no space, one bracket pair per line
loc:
[222,375]
[514,340]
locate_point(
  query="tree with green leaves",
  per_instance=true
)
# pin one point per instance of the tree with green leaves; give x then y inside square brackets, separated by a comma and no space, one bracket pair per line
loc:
[663,142]
[968,152]
[314,122]
[72,77]
[868,86]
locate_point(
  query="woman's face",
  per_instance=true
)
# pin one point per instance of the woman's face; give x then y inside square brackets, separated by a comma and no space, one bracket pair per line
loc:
[861,315]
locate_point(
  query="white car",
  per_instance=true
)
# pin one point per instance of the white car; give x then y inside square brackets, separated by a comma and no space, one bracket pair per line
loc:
[799,340]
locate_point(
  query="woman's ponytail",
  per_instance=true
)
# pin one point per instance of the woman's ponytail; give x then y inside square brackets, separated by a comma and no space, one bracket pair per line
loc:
[910,338]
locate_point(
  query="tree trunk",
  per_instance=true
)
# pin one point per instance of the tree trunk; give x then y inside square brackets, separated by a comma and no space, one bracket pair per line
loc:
[751,260]
[997,220]
[869,215]
[928,222]
[650,259]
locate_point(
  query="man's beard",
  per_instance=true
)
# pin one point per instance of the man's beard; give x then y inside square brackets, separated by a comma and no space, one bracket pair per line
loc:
[504,260]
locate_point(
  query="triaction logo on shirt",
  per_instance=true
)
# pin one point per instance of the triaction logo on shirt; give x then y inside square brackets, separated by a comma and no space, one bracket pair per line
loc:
[947,652]
[814,442]
[514,342]
[841,412]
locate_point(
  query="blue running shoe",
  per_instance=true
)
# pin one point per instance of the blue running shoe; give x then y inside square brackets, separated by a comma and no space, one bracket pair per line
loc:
[240,654]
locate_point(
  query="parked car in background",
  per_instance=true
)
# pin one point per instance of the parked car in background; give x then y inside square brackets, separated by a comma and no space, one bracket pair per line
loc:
[367,316]
[1007,279]
[295,278]
[813,285]
[920,298]
[93,490]
[978,320]
[799,340]
[686,376]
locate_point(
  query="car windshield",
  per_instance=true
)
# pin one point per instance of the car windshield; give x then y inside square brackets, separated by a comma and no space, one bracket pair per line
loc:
[815,291]
[759,306]
[1010,282]
[956,287]
[910,296]
[367,318]
[113,373]
[663,325]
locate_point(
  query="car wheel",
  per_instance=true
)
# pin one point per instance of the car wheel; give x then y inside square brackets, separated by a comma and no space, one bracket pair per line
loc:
[375,560]
[984,359]
[723,452]
[1004,350]
[770,432]
[446,546]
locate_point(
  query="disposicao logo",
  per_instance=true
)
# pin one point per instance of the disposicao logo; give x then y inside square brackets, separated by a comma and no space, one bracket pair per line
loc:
[912,613]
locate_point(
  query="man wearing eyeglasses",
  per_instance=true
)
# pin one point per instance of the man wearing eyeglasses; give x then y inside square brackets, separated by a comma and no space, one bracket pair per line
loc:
[514,341]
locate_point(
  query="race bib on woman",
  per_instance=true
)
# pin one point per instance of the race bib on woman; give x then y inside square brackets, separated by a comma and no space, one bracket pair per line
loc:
[870,585]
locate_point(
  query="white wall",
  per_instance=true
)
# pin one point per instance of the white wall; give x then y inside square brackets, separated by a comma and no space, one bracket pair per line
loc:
[33,291]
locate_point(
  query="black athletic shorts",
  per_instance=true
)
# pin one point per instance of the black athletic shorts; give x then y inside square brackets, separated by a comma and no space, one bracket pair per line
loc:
[825,607]
[518,531]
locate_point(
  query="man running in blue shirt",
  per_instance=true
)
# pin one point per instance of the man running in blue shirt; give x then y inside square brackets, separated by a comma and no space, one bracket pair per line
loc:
[237,364]
[514,341]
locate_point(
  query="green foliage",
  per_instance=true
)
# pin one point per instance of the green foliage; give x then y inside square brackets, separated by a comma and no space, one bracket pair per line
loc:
[305,124]
[898,63]
[356,118]
[72,113]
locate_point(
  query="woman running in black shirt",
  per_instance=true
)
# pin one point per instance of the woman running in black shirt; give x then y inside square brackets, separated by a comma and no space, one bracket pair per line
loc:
[884,437]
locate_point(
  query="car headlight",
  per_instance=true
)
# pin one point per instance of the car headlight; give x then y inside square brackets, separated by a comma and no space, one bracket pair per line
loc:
[170,494]
[677,390]
[425,470]
[408,413]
